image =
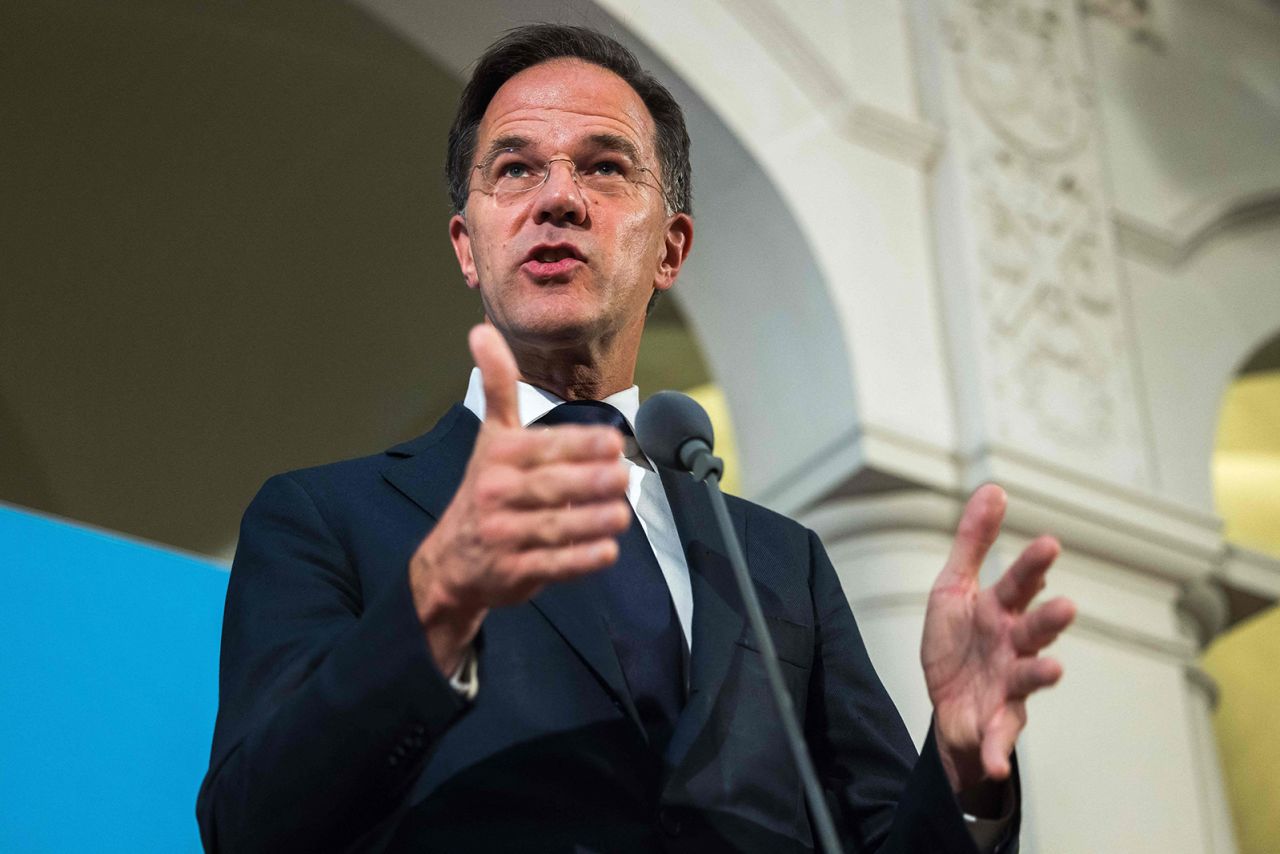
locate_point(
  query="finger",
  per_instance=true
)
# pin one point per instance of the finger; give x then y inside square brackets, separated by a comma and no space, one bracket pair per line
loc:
[999,737]
[561,562]
[1037,629]
[1025,577]
[498,373]
[978,528]
[560,483]
[557,527]
[565,443]
[1031,674]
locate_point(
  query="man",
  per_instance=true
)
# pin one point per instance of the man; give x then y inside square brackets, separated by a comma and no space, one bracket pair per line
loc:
[468,643]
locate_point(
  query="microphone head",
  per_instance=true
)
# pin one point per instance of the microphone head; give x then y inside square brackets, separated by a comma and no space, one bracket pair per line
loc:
[666,422]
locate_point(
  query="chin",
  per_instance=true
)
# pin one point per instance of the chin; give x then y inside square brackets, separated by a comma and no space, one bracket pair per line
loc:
[557,316]
[554,327]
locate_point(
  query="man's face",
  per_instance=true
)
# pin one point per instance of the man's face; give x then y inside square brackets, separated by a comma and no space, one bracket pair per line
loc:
[562,266]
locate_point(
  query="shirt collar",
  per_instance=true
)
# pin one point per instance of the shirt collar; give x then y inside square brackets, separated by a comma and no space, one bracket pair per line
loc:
[534,402]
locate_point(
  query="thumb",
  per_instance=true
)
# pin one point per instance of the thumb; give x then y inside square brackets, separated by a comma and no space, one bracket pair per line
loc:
[498,373]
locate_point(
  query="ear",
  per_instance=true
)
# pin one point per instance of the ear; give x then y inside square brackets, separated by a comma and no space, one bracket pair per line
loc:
[460,237]
[676,244]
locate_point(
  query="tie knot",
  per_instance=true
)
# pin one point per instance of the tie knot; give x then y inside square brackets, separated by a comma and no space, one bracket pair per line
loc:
[586,412]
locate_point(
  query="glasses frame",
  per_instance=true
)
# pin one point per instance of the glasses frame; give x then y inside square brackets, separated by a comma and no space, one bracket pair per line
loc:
[503,196]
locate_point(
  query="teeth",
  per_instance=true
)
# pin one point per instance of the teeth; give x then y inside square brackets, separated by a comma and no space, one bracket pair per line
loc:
[550,256]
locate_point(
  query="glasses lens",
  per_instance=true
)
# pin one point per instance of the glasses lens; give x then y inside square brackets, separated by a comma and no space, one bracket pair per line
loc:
[510,174]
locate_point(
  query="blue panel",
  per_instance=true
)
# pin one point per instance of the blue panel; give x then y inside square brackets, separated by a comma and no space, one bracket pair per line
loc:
[108,688]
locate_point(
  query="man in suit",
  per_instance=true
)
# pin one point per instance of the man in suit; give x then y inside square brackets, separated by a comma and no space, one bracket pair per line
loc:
[516,633]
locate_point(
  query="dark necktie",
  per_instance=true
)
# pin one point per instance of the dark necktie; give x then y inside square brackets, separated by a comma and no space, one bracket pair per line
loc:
[641,617]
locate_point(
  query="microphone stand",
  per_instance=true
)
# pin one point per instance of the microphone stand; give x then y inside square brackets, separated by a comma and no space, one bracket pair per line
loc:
[707,468]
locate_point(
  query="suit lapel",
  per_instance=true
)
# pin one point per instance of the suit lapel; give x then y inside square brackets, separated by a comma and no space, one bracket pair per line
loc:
[428,470]
[574,610]
[718,615]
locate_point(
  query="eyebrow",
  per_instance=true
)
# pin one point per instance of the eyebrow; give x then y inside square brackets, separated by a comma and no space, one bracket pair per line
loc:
[603,141]
[613,142]
[510,142]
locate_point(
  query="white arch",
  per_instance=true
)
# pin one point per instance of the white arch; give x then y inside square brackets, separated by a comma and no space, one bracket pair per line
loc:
[1196,325]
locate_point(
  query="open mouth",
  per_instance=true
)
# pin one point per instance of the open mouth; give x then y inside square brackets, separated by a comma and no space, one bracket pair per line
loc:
[545,262]
[552,255]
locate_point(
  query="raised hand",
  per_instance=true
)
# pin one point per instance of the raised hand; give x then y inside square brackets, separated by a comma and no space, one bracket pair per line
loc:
[980,647]
[534,507]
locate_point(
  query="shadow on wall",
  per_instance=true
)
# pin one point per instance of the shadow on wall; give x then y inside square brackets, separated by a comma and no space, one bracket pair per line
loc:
[229,255]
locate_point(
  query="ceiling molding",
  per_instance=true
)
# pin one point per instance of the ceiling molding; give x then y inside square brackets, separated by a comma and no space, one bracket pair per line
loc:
[1251,571]
[1172,244]
[902,138]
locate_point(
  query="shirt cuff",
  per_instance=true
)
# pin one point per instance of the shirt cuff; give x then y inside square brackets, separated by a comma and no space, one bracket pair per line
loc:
[990,831]
[987,833]
[466,677]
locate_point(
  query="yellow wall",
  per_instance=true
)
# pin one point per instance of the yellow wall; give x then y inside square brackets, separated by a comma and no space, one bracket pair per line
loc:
[1246,660]
[1246,664]
[713,400]
[1246,462]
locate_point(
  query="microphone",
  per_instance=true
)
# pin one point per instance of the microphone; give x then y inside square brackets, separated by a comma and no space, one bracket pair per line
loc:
[675,432]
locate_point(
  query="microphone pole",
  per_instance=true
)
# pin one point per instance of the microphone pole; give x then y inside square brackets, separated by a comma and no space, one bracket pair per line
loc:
[675,431]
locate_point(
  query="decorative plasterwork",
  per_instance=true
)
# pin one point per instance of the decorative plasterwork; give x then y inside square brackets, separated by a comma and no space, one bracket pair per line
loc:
[1126,13]
[1049,324]
[1133,16]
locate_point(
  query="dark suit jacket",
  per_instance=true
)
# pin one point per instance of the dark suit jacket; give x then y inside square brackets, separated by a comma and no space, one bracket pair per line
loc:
[336,731]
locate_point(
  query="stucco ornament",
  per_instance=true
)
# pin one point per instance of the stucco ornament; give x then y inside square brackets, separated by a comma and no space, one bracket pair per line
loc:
[1051,324]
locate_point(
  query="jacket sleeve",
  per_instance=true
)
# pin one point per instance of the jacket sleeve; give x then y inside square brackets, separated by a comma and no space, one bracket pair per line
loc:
[327,703]
[883,797]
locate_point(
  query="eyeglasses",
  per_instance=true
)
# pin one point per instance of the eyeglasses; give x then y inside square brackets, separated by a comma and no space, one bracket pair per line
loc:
[510,174]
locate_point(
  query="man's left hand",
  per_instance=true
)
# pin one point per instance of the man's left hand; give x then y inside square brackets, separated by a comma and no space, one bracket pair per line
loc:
[980,647]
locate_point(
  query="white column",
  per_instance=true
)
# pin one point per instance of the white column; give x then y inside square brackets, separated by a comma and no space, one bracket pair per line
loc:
[1119,756]
[1041,346]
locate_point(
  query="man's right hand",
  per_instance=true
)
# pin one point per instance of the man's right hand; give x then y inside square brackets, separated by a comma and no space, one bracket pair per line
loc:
[534,507]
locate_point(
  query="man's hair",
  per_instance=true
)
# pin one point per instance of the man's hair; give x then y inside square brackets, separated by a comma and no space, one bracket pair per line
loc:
[525,47]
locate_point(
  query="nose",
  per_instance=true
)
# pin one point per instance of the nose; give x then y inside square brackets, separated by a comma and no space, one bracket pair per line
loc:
[560,197]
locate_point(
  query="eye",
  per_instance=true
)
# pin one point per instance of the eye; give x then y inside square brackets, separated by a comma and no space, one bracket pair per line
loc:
[609,169]
[513,170]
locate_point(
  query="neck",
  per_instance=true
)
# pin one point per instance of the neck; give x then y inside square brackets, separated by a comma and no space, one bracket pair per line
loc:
[590,371]
[574,379]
